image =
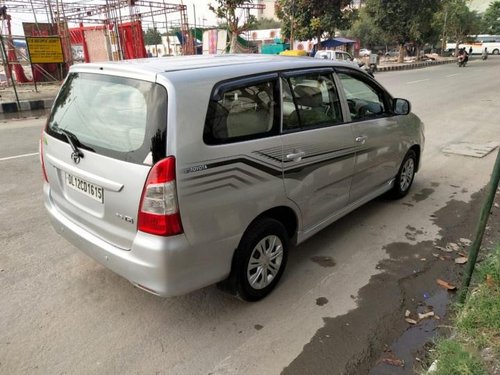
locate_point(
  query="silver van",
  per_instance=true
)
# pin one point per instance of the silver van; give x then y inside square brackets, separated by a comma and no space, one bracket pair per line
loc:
[178,173]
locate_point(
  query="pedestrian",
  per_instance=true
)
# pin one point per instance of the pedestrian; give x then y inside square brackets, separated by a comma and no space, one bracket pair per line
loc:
[484,55]
[470,50]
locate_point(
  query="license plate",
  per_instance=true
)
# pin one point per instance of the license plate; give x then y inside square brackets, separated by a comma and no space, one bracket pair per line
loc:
[93,191]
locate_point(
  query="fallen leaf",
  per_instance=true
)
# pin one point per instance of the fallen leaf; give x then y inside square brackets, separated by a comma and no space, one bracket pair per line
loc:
[411,321]
[429,314]
[407,313]
[461,260]
[394,362]
[435,255]
[437,317]
[462,254]
[489,281]
[453,246]
[496,205]
[423,259]
[445,284]
[465,241]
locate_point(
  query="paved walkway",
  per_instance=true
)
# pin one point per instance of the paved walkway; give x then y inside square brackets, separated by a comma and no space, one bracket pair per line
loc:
[43,96]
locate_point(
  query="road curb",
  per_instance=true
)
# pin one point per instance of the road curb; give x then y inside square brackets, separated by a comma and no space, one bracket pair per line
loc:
[26,105]
[418,65]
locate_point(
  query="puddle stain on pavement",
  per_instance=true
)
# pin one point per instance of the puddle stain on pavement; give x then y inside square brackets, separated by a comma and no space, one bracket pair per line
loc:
[422,195]
[321,301]
[323,261]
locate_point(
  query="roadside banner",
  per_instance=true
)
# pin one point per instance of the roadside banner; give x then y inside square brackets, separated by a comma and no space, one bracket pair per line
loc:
[45,49]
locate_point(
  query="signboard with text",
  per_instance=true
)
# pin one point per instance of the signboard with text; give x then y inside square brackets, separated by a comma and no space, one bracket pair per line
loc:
[45,50]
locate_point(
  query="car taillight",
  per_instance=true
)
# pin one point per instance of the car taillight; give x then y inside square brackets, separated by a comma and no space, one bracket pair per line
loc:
[42,162]
[158,210]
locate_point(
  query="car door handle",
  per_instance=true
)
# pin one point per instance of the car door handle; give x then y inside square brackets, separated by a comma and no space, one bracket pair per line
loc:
[295,156]
[361,139]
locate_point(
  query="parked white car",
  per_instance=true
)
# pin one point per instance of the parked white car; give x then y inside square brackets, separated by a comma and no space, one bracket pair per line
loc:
[336,56]
[363,52]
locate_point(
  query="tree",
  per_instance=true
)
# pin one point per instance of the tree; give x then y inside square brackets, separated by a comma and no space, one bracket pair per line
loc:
[422,28]
[405,20]
[307,19]
[152,37]
[226,10]
[267,23]
[457,21]
[491,19]
[365,29]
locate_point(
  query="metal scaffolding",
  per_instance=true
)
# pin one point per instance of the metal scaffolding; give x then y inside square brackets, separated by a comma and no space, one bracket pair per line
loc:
[107,12]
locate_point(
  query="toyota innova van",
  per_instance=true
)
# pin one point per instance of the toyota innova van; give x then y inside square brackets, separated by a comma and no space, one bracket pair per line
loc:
[178,173]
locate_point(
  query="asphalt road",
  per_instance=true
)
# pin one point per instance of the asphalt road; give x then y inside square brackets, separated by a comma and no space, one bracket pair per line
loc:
[61,313]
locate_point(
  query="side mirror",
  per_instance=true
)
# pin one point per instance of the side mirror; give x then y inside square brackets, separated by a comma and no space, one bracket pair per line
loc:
[401,106]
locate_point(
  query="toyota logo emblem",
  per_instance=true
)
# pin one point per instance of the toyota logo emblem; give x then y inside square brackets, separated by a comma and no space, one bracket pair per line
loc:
[76,157]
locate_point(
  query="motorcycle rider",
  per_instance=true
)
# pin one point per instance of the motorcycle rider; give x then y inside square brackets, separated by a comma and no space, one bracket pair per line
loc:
[463,55]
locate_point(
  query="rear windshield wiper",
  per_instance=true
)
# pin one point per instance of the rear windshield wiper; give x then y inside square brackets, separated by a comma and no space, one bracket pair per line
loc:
[71,139]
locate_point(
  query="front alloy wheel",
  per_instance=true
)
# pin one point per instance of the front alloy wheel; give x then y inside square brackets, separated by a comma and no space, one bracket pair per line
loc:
[405,176]
[407,173]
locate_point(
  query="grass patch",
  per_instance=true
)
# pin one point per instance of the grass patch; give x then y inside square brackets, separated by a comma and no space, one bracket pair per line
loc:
[454,359]
[477,324]
[479,320]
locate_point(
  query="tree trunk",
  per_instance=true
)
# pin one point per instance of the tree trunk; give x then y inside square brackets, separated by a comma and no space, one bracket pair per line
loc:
[233,43]
[401,57]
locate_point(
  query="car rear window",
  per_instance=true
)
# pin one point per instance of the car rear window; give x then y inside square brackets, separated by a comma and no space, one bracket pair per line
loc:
[118,117]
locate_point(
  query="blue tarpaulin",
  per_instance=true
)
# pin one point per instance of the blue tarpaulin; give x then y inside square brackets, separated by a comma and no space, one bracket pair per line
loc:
[335,42]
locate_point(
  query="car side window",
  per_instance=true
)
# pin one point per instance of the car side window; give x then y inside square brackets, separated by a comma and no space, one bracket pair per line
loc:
[242,113]
[310,100]
[365,101]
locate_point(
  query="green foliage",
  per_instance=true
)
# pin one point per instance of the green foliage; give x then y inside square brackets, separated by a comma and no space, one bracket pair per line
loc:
[267,23]
[365,29]
[454,359]
[457,20]
[491,19]
[404,20]
[152,37]
[307,19]
[422,29]
[227,11]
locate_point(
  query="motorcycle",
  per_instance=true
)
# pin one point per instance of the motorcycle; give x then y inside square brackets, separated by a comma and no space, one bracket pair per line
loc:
[461,61]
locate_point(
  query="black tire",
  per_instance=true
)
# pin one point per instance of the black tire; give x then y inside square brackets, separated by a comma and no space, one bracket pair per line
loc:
[405,176]
[496,52]
[262,232]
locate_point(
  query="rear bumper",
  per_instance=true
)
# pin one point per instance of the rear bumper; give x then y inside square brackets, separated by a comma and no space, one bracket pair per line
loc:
[161,266]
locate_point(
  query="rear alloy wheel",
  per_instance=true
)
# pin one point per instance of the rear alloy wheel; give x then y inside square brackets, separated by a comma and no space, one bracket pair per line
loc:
[496,51]
[405,176]
[259,260]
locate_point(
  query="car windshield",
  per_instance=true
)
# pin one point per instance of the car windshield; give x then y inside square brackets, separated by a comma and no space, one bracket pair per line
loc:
[119,117]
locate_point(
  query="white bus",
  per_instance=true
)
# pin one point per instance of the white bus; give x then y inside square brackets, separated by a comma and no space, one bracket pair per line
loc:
[478,44]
